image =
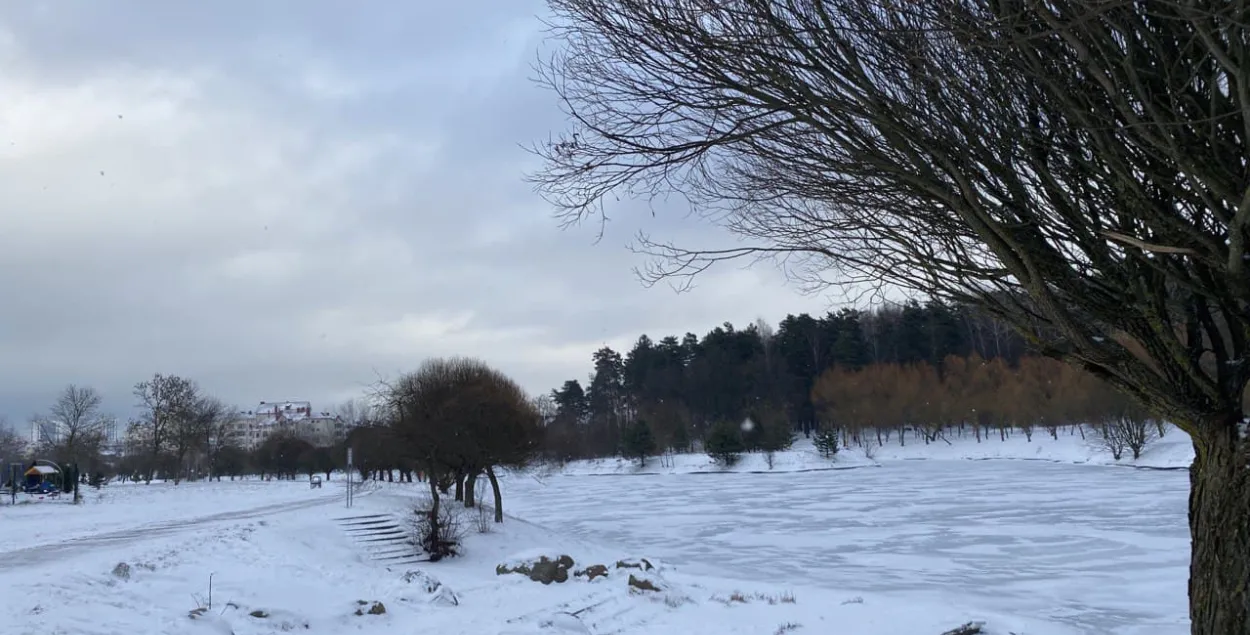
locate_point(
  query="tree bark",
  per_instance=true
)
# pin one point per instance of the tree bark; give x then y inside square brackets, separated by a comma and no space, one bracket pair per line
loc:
[470,489]
[460,486]
[494,485]
[1219,524]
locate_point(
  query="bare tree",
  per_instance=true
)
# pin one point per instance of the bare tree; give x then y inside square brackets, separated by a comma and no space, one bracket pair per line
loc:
[74,429]
[216,424]
[1073,167]
[12,447]
[166,401]
[190,429]
[1129,431]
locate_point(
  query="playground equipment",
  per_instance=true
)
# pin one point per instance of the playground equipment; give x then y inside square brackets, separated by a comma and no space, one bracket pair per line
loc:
[43,477]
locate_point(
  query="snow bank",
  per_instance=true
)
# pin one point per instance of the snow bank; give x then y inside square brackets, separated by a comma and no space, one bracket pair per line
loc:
[1172,451]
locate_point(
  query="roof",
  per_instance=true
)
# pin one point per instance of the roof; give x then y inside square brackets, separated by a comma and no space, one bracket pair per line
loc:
[288,410]
[41,469]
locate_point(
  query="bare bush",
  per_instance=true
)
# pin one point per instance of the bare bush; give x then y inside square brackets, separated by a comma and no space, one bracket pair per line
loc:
[438,529]
[1127,432]
[871,445]
[482,520]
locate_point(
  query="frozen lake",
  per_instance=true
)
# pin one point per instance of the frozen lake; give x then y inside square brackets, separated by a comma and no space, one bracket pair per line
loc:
[1100,548]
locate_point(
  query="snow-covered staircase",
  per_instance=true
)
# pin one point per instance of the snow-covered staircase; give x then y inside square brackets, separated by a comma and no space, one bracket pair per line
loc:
[382,537]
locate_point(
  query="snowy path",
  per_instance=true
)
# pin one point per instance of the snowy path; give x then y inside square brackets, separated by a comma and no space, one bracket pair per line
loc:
[134,528]
[1100,549]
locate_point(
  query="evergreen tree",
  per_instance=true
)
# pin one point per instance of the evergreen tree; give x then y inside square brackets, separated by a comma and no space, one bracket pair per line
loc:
[826,441]
[724,443]
[638,442]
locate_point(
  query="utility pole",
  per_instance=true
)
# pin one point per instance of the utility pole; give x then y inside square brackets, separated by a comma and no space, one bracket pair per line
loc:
[349,478]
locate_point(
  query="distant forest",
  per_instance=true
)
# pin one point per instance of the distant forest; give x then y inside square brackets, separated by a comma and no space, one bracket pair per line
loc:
[924,367]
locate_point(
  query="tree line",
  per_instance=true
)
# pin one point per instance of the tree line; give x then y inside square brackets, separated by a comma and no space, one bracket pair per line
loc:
[931,366]
[181,432]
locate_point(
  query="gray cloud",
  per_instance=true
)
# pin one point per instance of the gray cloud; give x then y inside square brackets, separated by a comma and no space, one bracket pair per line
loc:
[283,200]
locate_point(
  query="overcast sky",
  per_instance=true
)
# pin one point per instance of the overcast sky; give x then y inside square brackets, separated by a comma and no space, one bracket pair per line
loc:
[283,200]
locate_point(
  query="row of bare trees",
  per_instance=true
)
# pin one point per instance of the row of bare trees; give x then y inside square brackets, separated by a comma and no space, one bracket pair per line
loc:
[181,431]
[985,396]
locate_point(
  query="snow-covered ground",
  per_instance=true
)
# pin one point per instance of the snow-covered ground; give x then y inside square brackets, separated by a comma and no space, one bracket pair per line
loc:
[897,548]
[120,507]
[1172,451]
[298,571]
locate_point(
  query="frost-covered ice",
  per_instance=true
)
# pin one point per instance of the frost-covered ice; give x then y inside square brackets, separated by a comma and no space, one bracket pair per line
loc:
[1103,550]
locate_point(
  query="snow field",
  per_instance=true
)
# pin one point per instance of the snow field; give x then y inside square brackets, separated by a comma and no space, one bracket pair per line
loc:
[296,571]
[900,547]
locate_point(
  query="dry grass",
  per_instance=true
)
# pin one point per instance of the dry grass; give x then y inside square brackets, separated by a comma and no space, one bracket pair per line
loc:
[738,597]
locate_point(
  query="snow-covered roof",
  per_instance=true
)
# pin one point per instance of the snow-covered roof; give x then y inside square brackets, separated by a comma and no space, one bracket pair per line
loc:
[42,469]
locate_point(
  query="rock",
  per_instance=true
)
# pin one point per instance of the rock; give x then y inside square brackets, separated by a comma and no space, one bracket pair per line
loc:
[971,628]
[121,571]
[259,614]
[544,570]
[504,569]
[377,608]
[642,584]
[642,564]
[592,572]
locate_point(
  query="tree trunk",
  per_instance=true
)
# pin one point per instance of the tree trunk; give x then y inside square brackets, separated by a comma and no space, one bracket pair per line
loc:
[460,486]
[470,489]
[1219,506]
[494,485]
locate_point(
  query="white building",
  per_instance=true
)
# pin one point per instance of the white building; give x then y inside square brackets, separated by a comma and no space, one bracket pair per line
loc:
[44,430]
[280,412]
[51,430]
[295,417]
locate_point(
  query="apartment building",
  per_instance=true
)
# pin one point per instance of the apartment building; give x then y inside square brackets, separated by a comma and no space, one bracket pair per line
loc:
[293,417]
